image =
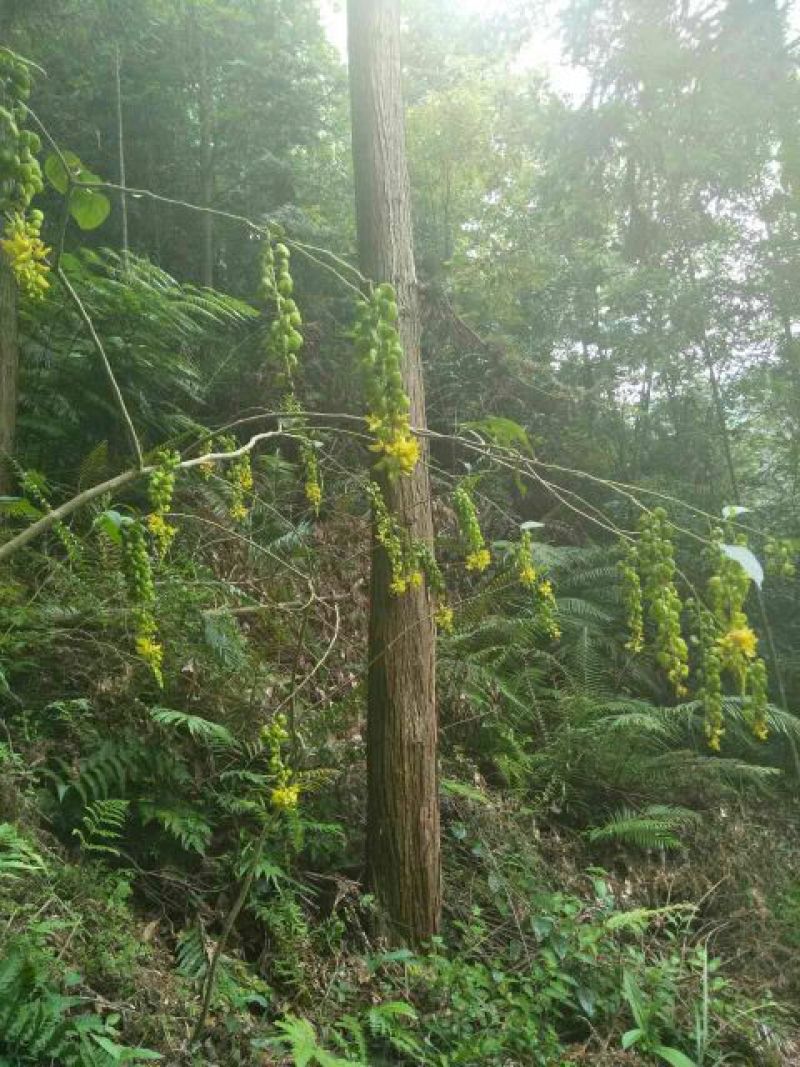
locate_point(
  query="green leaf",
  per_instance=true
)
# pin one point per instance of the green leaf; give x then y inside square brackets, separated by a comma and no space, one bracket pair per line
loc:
[631,1037]
[745,558]
[57,174]
[673,1056]
[89,208]
[504,432]
[111,523]
[586,999]
[17,507]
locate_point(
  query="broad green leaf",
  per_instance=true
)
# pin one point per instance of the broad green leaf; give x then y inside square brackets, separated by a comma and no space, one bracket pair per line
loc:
[745,558]
[57,174]
[586,999]
[674,1056]
[89,208]
[630,1037]
[504,432]
[111,523]
[18,507]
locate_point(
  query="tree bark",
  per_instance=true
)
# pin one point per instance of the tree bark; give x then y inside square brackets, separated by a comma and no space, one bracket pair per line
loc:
[9,361]
[403,835]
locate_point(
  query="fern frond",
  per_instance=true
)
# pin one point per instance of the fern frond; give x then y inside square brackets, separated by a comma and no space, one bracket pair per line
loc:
[17,855]
[192,953]
[656,826]
[102,825]
[183,823]
[197,727]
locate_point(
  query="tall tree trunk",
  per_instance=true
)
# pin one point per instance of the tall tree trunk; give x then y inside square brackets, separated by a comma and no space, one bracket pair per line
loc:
[403,837]
[9,359]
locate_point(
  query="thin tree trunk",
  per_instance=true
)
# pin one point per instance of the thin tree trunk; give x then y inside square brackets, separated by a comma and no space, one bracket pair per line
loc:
[403,835]
[206,114]
[123,200]
[9,361]
[722,421]
[9,348]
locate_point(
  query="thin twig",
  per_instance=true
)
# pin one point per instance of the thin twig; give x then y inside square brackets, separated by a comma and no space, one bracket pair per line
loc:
[47,521]
[232,916]
[98,344]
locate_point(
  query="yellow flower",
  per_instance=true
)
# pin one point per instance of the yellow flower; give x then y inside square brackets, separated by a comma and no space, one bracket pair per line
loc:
[285,797]
[415,579]
[760,731]
[478,560]
[527,574]
[444,618]
[27,254]
[244,478]
[374,423]
[405,451]
[546,590]
[398,585]
[314,494]
[238,512]
[152,653]
[161,530]
[741,640]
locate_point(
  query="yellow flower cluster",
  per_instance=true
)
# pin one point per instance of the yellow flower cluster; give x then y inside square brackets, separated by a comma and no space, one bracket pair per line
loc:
[161,531]
[478,560]
[285,797]
[444,618]
[27,254]
[313,488]
[739,642]
[149,650]
[142,594]
[403,582]
[526,572]
[408,560]
[160,490]
[547,609]
[396,443]
[314,494]
[285,793]
[527,575]
[381,354]
[664,605]
[478,557]
[239,476]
